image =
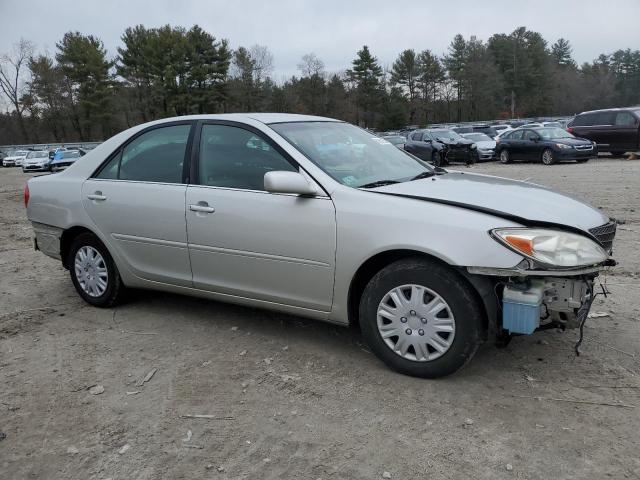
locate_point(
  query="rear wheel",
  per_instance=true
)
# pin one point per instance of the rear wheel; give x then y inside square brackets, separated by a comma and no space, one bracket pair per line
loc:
[618,153]
[504,156]
[93,272]
[582,160]
[548,158]
[421,318]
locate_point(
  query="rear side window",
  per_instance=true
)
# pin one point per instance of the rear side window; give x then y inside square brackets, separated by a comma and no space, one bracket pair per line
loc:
[233,157]
[155,156]
[584,120]
[625,119]
[515,135]
[530,135]
[604,118]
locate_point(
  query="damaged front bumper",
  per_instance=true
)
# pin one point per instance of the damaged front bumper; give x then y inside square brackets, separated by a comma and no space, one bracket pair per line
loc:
[531,299]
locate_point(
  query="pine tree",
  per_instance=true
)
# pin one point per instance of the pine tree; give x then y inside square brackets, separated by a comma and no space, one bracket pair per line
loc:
[365,75]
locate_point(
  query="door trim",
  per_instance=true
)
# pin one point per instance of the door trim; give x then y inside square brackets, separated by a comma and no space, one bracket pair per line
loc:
[265,256]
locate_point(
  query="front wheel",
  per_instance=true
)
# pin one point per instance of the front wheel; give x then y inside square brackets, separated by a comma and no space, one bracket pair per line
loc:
[421,318]
[548,158]
[93,272]
[504,156]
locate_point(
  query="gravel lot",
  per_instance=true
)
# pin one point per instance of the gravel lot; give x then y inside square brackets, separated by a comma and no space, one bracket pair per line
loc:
[291,398]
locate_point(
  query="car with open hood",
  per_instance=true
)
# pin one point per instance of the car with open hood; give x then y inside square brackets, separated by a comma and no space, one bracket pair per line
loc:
[441,146]
[318,218]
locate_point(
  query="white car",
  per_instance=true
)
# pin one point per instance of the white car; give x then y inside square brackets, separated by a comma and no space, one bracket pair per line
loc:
[15,158]
[327,221]
[36,161]
[485,145]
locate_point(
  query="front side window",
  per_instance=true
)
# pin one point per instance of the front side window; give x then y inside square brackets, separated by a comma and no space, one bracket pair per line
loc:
[350,155]
[416,137]
[155,156]
[233,157]
[530,135]
[625,119]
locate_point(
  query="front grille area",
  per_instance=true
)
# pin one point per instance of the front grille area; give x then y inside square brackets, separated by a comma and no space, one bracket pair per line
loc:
[605,234]
[584,147]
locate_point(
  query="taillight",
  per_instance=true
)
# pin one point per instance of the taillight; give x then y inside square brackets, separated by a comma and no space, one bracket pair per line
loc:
[26,195]
[570,130]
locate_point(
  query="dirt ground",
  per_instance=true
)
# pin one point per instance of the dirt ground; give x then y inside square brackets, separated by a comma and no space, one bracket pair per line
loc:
[291,398]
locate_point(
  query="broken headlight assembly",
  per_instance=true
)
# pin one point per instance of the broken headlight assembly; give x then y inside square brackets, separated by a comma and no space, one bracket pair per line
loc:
[552,248]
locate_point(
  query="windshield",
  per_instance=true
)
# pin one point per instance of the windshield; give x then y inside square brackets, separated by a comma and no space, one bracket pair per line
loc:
[37,155]
[446,135]
[69,154]
[20,153]
[350,155]
[553,133]
[479,137]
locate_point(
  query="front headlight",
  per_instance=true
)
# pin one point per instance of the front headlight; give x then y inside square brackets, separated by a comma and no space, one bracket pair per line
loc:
[551,247]
[473,145]
[562,145]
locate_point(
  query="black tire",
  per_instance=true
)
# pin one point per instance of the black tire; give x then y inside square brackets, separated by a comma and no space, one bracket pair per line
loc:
[504,156]
[115,288]
[582,160]
[453,289]
[618,153]
[548,157]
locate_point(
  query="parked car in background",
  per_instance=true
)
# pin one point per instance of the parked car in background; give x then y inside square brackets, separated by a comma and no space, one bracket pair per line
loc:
[488,130]
[36,161]
[462,129]
[441,147]
[15,158]
[485,144]
[430,263]
[553,124]
[63,159]
[397,140]
[547,145]
[615,130]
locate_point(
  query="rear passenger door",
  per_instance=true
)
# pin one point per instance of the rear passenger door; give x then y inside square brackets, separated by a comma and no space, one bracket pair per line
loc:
[514,144]
[246,242]
[137,201]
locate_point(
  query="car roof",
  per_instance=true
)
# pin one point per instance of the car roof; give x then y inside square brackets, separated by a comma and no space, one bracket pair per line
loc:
[619,109]
[266,118]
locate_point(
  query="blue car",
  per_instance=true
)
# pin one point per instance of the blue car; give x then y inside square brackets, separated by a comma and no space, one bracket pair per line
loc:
[62,159]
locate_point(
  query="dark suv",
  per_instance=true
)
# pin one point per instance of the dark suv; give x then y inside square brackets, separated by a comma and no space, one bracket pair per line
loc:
[615,130]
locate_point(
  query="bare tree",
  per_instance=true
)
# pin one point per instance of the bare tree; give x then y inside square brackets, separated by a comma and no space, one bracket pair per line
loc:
[13,81]
[311,65]
[262,62]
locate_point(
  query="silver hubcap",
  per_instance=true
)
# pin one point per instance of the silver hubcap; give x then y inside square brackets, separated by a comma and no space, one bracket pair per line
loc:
[416,323]
[91,271]
[547,157]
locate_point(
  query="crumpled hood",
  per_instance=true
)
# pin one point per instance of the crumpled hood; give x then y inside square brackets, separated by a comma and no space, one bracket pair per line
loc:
[529,201]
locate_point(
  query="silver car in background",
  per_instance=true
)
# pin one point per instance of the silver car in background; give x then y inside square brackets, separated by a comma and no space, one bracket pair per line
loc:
[319,218]
[485,144]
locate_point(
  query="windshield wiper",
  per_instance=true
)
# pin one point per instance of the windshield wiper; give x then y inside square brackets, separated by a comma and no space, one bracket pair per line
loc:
[378,183]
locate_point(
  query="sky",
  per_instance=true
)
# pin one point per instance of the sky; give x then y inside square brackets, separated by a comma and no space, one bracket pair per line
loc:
[332,29]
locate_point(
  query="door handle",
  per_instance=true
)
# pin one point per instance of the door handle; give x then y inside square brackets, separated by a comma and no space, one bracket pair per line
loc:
[97,196]
[201,208]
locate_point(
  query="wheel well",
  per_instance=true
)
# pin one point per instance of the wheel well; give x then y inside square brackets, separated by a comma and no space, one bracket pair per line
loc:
[67,239]
[376,263]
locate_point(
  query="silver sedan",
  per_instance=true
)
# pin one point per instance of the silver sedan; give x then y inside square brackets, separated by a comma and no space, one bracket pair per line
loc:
[319,218]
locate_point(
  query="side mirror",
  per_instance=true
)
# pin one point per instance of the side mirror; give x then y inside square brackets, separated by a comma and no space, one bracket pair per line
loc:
[288,182]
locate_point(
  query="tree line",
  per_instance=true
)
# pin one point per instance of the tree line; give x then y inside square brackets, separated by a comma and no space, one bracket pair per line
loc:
[82,93]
